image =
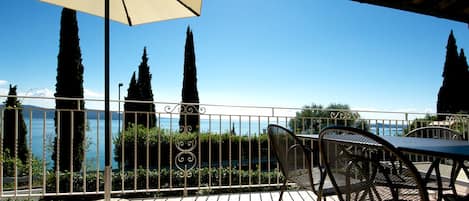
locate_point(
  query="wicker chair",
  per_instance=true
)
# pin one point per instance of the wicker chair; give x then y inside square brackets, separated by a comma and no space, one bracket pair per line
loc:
[296,165]
[355,157]
[439,133]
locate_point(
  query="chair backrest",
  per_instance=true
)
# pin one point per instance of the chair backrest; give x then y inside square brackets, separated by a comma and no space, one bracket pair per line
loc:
[293,159]
[435,132]
[362,165]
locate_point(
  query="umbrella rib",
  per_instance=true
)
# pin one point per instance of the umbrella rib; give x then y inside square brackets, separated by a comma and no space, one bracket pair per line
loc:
[188,8]
[127,13]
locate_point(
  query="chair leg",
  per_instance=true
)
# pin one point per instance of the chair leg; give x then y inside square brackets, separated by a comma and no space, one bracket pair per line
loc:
[460,166]
[435,166]
[282,189]
[439,182]
[456,168]
[323,175]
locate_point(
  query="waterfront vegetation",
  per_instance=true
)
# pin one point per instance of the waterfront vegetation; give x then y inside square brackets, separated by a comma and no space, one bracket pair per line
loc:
[214,149]
[165,179]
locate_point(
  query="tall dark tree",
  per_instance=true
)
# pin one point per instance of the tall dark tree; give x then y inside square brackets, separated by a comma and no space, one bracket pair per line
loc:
[14,128]
[315,117]
[452,58]
[465,82]
[131,108]
[463,60]
[69,116]
[451,97]
[144,85]
[190,117]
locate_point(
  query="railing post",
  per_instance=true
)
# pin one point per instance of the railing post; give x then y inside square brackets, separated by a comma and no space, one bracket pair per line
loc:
[185,181]
[1,150]
[107,123]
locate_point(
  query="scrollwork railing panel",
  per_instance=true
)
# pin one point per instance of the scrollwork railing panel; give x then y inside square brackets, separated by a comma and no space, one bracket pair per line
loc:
[344,115]
[185,108]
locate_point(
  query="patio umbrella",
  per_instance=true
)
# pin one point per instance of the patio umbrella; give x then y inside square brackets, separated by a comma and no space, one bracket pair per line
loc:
[130,12]
[134,12]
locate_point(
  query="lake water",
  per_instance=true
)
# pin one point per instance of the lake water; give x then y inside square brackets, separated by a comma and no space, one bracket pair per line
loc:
[44,128]
[95,134]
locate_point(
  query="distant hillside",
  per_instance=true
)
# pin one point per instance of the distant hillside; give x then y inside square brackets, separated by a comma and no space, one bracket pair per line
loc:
[38,113]
[35,111]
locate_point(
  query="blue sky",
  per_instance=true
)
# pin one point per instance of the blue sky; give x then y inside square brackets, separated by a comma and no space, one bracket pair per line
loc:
[264,53]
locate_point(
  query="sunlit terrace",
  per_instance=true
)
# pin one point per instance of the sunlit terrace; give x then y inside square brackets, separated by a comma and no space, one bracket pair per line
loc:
[229,157]
[145,150]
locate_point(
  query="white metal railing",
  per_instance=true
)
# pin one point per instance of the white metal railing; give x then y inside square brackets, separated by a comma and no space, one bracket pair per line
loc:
[228,149]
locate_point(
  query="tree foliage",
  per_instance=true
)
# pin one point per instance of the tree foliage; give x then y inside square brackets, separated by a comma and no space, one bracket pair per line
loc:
[190,117]
[69,116]
[159,141]
[421,122]
[140,90]
[146,94]
[130,108]
[452,97]
[14,129]
[313,118]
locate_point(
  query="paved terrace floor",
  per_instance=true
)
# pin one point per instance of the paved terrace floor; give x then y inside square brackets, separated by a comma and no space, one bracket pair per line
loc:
[291,195]
[257,196]
[462,188]
[248,196]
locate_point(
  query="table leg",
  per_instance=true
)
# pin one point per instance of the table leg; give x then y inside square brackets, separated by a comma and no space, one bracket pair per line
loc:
[435,166]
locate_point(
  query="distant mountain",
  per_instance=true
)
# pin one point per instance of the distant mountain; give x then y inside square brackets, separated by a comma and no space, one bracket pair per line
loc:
[38,113]
[35,111]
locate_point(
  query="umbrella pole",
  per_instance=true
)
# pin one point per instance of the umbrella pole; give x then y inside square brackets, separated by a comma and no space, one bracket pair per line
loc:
[107,123]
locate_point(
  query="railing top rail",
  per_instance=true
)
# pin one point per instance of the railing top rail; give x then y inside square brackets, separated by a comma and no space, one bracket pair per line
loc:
[275,110]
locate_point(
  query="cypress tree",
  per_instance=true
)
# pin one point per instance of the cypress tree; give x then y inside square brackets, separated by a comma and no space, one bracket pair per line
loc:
[130,108]
[190,117]
[69,115]
[463,61]
[450,98]
[14,128]
[452,58]
[144,85]
[464,82]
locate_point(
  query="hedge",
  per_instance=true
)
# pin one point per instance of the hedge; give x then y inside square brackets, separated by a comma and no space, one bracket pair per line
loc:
[221,152]
[161,179]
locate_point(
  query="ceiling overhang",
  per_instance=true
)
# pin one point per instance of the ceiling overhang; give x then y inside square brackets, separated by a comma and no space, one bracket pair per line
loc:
[457,10]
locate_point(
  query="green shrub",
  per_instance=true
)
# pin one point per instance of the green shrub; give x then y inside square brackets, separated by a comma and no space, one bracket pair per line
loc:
[22,172]
[136,140]
[165,178]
